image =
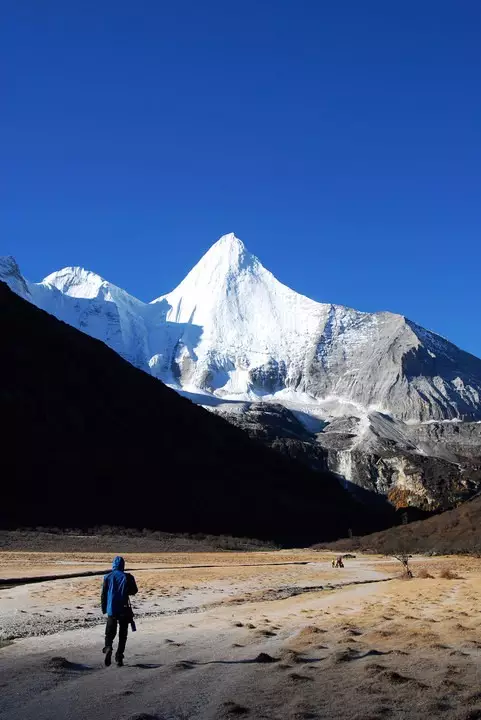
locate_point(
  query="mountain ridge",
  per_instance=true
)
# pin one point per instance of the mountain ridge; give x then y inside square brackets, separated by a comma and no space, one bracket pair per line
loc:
[231,330]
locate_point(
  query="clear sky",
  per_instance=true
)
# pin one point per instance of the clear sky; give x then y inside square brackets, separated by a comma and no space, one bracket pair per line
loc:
[340,139]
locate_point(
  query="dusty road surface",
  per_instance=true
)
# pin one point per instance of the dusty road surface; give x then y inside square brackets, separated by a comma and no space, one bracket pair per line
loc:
[254,635]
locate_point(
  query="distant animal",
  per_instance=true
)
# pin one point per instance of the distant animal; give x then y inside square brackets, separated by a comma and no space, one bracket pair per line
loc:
[339,563]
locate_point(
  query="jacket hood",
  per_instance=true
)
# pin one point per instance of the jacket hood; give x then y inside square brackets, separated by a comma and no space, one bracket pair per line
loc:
[118,563]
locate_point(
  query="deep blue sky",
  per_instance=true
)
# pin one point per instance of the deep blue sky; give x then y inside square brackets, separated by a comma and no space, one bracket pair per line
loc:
[340,139]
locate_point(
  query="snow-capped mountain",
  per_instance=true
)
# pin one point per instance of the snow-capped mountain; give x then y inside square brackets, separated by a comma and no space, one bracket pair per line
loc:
[100,309]
[371,396]
[232,331]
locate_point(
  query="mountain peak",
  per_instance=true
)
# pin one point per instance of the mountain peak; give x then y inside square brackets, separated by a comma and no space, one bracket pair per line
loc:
[226,259]
[230,240]
[229,251]
[76,282]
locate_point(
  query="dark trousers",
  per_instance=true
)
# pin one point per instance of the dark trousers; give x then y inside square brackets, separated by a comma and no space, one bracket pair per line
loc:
[111,632]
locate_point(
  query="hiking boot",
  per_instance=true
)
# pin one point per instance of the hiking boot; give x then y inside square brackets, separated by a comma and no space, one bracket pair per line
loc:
[119,659]
[107,651]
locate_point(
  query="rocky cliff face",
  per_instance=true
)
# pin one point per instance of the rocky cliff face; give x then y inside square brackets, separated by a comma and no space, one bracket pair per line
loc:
[406,464]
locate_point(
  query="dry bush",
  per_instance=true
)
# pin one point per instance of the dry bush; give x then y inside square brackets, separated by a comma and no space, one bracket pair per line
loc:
[403,557]
[448,574]
[425,574]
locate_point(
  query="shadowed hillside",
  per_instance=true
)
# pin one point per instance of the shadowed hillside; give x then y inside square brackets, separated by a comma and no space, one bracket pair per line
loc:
[88,439]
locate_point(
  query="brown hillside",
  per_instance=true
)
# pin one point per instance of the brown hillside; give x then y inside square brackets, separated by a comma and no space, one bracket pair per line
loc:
[454,531]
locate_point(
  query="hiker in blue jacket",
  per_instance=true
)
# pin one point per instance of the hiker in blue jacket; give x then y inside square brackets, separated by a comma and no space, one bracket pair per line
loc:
[116,588]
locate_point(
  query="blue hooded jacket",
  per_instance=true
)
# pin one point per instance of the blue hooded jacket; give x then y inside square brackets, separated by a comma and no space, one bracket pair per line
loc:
[117,587]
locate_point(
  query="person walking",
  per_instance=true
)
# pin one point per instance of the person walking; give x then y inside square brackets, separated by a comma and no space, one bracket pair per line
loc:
[116,590]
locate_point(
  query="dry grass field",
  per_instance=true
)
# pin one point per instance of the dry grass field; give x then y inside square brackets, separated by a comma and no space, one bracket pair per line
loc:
[255,635]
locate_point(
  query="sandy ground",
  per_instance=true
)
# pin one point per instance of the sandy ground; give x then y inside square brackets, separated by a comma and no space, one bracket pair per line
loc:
[339,643]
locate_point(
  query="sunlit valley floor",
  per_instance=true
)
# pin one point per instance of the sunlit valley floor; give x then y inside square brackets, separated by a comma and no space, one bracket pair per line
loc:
[259,635]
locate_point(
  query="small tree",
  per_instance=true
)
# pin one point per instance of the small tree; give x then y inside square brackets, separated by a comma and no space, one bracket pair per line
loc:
[403,558]
[398,548]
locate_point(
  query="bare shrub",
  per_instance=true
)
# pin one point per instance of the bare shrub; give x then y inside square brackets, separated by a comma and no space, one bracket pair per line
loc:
[425,574]
[448,574]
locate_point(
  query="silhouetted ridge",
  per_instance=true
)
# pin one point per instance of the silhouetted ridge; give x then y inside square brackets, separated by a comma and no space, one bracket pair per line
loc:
[89,439]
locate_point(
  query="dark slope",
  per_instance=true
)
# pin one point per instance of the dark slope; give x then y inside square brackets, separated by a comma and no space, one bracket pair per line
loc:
[89,439]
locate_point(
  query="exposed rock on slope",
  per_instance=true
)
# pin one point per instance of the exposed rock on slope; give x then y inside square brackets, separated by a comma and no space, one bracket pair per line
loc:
[430,467]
